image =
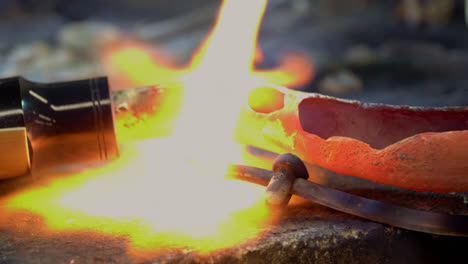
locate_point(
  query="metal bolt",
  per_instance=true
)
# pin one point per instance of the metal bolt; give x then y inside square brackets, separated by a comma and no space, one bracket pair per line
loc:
[287,168]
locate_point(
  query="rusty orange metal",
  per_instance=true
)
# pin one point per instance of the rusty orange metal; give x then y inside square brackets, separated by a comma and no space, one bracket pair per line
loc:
[423,149]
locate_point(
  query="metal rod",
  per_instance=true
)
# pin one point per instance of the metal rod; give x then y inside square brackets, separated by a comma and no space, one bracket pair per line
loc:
[412,219]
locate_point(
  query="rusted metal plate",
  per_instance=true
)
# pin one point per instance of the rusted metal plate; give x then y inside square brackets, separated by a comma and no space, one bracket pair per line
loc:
[376,124]
[423,149]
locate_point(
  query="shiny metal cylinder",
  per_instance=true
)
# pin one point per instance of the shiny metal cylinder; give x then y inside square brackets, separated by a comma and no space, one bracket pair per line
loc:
[65,123]
[14,147]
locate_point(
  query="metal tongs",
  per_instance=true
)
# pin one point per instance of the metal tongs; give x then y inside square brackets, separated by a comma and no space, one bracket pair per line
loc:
[289,176]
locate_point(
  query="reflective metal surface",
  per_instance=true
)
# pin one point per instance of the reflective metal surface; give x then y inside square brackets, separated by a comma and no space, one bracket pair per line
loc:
[66,123]
[14,149]
[11,112]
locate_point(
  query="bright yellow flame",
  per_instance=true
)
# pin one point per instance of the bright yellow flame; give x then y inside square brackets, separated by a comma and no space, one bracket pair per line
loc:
[169,192]
[135,65]
[152,197]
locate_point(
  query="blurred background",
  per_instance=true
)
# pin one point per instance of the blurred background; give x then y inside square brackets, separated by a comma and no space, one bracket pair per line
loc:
[405,52]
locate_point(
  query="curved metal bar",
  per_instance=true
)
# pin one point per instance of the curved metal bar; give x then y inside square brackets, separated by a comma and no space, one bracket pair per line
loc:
[412,219]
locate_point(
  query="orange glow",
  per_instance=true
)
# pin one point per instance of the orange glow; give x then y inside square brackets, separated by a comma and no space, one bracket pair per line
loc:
[169,191]
[294,70]
[131,65]
[153,198]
